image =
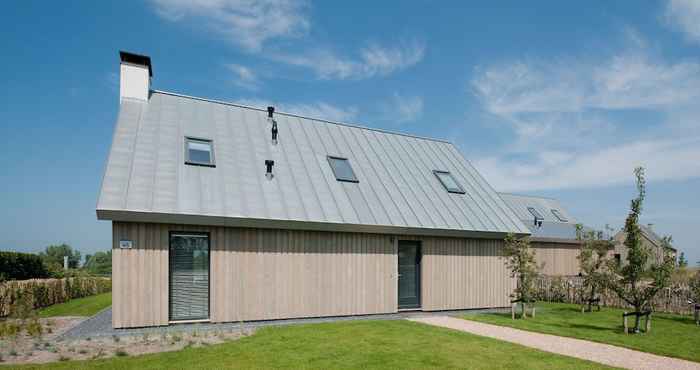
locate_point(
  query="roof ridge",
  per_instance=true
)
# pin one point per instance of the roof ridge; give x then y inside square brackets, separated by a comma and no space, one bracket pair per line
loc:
[300,116]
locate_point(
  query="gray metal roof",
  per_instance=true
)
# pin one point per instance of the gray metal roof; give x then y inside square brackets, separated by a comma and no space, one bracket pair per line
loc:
[552,227]
[146,178]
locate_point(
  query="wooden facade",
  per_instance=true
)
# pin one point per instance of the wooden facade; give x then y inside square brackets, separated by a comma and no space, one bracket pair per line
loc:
[557,258]
[261,274]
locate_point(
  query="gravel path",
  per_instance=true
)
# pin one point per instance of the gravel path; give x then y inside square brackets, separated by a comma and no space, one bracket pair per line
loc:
[598,352]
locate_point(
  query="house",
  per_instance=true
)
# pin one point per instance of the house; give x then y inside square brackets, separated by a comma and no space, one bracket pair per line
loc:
[553,232]
[649,240]
[222,212]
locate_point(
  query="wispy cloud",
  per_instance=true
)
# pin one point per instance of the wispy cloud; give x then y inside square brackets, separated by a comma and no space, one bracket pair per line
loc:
[248,23]
[575,122]
[684,15]
[373,60]
[403,109]
[243,76]
[318,110]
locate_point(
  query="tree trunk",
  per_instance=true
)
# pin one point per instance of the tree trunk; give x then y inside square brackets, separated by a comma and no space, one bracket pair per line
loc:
[636,322]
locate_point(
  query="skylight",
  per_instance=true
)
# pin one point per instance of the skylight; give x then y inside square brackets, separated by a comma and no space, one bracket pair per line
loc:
[559,216]
[536,213]
[199,152]
[449,182]
[342,169]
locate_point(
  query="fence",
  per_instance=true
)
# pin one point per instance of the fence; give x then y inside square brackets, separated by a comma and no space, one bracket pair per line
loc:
[45,292]
[568,290]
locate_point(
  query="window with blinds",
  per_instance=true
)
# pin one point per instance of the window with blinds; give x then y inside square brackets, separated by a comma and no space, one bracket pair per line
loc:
[189,276]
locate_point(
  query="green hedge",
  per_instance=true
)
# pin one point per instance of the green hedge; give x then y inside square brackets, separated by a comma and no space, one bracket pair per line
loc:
[46,292]
[21,266]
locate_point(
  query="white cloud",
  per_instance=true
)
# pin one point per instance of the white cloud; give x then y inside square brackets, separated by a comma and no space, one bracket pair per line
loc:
[243,76]
[668,159]
[373,60]
[684,15]
[248,23]
[318,110]
[580,123]
[402,109]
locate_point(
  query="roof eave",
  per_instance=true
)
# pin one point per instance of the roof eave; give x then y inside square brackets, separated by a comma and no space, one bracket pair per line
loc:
[213,220]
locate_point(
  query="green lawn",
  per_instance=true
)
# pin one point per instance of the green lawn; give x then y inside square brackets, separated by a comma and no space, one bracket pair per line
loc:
[86,306]
[349,344]
[671,335]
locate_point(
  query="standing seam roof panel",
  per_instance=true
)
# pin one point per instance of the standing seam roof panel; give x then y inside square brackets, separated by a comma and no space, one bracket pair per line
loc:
[437,191]
[499,208]
[470,215]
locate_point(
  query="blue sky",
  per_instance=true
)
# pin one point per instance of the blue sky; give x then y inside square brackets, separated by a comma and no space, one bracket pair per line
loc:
[545,98]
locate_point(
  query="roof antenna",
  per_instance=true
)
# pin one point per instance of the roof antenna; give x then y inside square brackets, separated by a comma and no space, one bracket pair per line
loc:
[270,112]
[268,165]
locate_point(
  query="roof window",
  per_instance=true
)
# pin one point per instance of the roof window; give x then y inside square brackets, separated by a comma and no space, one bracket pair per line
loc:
[536,213]
[559,216]
[199,152]
[342,169]
[449,182]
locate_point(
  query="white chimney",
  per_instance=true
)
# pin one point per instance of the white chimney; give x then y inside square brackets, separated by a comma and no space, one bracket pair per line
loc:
[134,76]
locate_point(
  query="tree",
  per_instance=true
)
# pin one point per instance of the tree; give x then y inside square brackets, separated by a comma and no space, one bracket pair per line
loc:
[100,263]
[592,263]
[682,261]
[640,279]
[53,256]
[520,260]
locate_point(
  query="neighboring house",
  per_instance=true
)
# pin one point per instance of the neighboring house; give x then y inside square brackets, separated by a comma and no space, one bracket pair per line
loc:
[553,231]
[222,212]
[649,239]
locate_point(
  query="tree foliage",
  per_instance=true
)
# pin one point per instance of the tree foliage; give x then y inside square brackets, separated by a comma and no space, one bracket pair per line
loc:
[592,262]
[638,281]
[520,260]
[100,263]
[682,261]
[53,257]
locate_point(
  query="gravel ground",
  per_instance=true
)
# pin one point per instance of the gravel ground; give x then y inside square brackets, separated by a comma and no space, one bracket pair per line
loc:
[598,352]
[100,325]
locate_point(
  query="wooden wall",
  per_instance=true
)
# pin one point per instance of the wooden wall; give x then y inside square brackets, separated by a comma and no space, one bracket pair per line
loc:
[259,274]
[558,258]
[464,273]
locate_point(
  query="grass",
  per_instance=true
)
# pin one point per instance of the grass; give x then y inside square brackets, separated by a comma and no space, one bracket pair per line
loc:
[350,344]
[86,306]
[671,335]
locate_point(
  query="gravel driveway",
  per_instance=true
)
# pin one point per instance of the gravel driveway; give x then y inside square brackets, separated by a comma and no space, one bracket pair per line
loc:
[598,352]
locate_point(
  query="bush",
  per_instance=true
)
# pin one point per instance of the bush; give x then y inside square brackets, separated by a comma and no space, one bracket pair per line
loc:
[9,328]
[46,292]
[21,266]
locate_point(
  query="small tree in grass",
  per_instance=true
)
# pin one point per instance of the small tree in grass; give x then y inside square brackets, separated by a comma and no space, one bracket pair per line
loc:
[592,263]
[520,260]
[639,280]
[682,261]
[694,287]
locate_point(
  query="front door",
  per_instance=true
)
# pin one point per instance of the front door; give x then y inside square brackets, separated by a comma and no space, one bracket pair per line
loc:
[189,276]
[409,274]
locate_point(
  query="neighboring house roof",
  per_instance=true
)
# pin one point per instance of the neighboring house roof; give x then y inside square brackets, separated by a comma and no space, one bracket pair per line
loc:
[552,228]
[648,233]
[146,178]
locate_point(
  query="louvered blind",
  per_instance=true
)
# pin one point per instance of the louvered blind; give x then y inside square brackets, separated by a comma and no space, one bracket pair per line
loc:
[189,277]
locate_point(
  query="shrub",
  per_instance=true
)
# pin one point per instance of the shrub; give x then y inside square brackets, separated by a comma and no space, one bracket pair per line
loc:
[9,328]
[45,292]
[21,266]
[120,353]
[34,327]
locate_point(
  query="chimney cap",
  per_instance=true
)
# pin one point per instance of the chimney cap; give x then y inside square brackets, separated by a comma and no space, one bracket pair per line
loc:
[138,59]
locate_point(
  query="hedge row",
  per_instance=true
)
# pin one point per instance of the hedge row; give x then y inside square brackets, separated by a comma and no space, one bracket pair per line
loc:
[21,266]
[46,292]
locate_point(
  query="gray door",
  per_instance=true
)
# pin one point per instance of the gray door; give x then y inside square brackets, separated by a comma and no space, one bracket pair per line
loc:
[409,274]
[189,276]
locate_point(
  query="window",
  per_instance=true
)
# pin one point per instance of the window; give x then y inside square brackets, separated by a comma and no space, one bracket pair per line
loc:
[449,182]
[559,216]
[199,152]
[341,169]
[537,214]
